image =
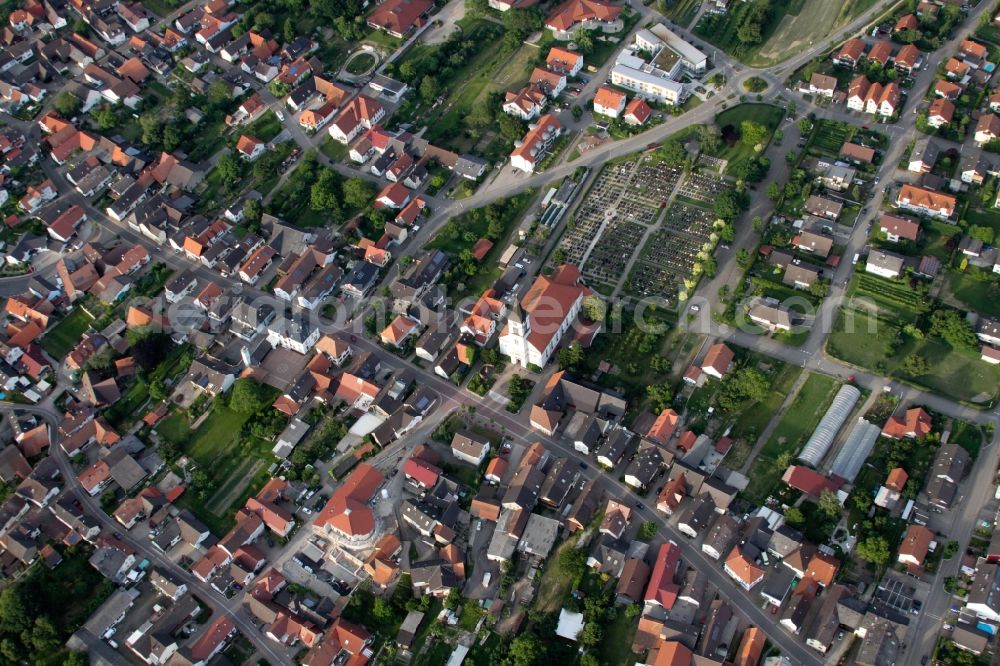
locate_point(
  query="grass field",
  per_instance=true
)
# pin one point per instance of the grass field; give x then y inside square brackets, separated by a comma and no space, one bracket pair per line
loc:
[866,340]
[735,150]
[752,422]
[792,430]
[791,27]
[217,449]
[616,647]
[61,338]
[976,288]
[264,128]
[554,586]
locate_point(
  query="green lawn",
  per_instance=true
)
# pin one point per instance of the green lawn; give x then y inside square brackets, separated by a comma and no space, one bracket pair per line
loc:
[554,586]
[335,150]
[264,128]
[217,448]
[977,288]
[616,647]
[59,340]
[129,408]
[968,436]
[791,432]
[984,217]
[752,422]
[361,63]
[866,341]
[729,121]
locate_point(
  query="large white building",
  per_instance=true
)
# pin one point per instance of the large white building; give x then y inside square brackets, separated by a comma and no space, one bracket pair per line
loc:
[538,323]
[635,74]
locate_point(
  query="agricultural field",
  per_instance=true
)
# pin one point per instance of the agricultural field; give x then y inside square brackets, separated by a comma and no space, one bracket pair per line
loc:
[789,27]
[682,12]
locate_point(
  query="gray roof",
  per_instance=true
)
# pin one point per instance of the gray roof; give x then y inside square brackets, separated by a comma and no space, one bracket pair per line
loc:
[822,438]
[111,612]
[855,450]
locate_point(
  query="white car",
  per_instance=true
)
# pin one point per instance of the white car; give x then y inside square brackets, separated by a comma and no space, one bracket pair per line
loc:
[695,308]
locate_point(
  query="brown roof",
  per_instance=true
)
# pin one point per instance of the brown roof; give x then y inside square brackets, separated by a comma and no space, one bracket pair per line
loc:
[855,152]
[916,543]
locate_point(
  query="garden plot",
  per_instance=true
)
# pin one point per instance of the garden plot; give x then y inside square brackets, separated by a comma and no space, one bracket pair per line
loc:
[611,255]
[666,260]
[704,187]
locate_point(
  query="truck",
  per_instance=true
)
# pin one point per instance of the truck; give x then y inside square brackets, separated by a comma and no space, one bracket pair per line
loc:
[486,579]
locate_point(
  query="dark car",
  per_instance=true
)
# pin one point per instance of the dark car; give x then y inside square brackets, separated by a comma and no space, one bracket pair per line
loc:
[583,465]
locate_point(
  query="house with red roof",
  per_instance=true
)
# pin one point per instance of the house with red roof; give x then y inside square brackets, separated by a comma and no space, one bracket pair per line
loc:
[915,424]
[536,143]
[212,640]
[742,569]
[347,513]
[394,196]
[421,473]
[663,427]
[562,60]
[361,113]
[809,481]
[572,15]
[399,330]
[662,590]
[399,17]
[718,360]
[537,324]
[550,82]
[250,148]
[609,102]
[637,112]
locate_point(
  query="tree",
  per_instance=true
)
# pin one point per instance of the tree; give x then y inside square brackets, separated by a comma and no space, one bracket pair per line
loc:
[594,308]
[252,211]
[591,660]
[874,549]
[357,193]
[572,563]
[660,396]
[916,365]
[982,233]
[783,460]
[323,193]
[742,387]
[793,516]
[14,616]
[247,396]
[429,89]
[774,191]
[591,634]
[382,611]
[570,357]
[709,138]
[647,532]
[150,349]
[228,169]
[288,30]
[752,133]
[511,128]
[728,205]
[45,636]
[218,94]
[105,116]
[584,42]
[829,504]
[673,153]
[950,326]
[453,599]
[742,258]
[68,104]
[525,650]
